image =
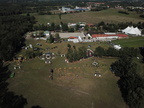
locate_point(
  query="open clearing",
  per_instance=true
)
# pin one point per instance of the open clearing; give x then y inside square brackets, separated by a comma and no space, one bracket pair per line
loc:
[67,90]
[74,84]
[108,16]
[131,42]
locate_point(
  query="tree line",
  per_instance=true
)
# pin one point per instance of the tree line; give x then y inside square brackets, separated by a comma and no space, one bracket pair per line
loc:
[75,55]
[13,28]
[130,83]
[132,52]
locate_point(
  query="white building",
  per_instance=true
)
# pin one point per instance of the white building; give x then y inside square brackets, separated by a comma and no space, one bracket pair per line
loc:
[75,34]
[75,39]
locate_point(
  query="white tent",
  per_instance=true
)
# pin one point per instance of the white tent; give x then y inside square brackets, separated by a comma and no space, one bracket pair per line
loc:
[137,31]
[126,29]
[132,31]
[117,47]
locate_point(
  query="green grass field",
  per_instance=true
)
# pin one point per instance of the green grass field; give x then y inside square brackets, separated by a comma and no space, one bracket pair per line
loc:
[131,42]
[109,15]
[74,84]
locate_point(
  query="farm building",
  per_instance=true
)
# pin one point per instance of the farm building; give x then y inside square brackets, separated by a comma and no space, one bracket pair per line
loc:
[47,34]
[104,37]
[89,53]
[75,39]
[72,25]
[66,10]
[67,35]
[107,37]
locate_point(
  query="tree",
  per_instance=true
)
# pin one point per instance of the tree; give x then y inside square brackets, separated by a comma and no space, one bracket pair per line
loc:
[64,27]
[82,52]
[51,39]
[77,27]
[69,46]
[71,30]
[57,37]
[99,51]
[112,52]
[130,83]
[8,99]
[59,16]
[86,27]
[124,66]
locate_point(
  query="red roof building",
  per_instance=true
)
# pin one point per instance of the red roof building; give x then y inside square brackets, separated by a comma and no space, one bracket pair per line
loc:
[72,37]
[109,35]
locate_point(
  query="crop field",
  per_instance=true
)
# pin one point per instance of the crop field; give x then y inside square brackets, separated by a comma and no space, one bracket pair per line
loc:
[74,84]
[108,16]
[131,42]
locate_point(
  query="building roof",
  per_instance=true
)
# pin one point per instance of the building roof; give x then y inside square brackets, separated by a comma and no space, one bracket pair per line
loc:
[108,35]
[90,25]
[122,35]
[73,37]
[67,35]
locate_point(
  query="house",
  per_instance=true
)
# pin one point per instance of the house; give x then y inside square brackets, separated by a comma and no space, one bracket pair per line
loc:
[75,39]
[72,25]
[47,34]
[90,25]
[66,10]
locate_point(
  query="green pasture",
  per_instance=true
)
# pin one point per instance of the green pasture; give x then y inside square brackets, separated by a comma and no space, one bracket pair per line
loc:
[74,84]
[130,42]
[109,16]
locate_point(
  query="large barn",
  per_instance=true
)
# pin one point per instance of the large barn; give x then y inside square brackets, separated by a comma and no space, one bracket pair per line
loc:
[67,35]
[107,37]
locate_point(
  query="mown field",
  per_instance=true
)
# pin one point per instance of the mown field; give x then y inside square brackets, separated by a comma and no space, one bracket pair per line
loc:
[74,84]
[109,16]
[131,42]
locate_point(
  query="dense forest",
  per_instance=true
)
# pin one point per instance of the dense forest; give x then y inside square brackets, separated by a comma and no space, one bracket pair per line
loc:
[13,26]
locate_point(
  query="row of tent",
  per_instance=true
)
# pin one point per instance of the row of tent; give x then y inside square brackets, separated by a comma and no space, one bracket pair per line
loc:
[132,31]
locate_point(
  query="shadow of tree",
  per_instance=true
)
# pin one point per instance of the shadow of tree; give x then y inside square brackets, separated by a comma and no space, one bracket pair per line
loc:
[8,99]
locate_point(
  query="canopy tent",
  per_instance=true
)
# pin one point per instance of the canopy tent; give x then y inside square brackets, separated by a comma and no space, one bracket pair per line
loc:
[132,31]
[126,29]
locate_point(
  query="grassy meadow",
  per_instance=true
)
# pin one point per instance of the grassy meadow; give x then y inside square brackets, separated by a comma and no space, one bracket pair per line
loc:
[74,84]
[131,42]
[109,16]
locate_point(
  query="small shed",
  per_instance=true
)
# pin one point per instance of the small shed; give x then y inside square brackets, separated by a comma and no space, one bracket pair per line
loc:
[89,53]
